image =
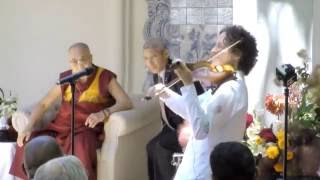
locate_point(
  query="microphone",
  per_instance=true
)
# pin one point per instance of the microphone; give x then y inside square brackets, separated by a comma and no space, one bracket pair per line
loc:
[71,78]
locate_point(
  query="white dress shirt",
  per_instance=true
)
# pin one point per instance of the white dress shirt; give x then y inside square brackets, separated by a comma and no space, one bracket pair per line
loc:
[214,118]
[161,76]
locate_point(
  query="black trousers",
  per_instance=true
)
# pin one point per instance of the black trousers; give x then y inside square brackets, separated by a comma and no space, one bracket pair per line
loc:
[160,150]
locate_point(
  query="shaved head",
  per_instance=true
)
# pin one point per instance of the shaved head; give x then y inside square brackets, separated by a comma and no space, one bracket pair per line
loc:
[80,46]
[79,57]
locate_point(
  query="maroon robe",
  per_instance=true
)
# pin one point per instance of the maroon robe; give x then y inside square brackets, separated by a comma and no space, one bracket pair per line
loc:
[91,97]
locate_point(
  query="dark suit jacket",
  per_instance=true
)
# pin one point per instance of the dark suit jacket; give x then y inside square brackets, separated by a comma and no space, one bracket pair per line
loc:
[174,119]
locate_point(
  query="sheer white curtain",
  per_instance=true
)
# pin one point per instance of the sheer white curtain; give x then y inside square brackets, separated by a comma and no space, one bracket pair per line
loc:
[316,33]
[281,28]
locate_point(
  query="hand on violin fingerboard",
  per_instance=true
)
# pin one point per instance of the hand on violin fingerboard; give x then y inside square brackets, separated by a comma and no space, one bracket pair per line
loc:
[184,74]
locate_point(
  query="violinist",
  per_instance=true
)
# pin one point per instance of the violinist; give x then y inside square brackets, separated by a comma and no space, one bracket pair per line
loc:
[218,116]
[161,148]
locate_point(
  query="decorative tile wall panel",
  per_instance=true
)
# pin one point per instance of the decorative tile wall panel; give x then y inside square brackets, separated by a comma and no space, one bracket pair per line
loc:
[190,26]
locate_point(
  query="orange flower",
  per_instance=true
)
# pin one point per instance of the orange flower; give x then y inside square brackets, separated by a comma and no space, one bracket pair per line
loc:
[274,104]
[278,167]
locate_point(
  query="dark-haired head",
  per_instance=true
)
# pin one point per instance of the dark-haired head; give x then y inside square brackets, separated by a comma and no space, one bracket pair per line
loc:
[38,151]
[232,160]
[246,49]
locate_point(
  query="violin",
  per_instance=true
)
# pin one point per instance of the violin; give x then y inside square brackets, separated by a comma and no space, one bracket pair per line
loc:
[218,73]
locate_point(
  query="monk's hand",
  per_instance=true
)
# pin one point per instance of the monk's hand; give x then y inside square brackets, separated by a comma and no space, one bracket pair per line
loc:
[184,74]
[24,136]
[94,119]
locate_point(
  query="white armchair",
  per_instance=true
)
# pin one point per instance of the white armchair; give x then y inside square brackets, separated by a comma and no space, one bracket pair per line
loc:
[123,154]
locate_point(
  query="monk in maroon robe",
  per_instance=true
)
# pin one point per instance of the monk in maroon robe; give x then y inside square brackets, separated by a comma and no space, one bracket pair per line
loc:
[96,97]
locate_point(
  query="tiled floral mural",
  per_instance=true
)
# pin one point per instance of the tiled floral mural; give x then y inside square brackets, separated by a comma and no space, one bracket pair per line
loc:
[190,26]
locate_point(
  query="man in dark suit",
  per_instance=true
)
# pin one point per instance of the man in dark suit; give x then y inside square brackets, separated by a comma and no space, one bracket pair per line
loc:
[161,148]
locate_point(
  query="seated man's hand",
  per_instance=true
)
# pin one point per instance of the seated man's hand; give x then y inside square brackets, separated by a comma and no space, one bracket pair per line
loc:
[184,74]
[94,119]
[155,89]
[24,136]
[184,131]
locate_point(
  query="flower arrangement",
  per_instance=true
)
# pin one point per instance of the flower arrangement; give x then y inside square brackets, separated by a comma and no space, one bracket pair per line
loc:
[304,121]
[305,106]
[268,142]
[7,107]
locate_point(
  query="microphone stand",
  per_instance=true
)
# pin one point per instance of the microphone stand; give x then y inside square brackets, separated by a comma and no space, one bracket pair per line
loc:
[286,105]
[71,80]
[286,73]
[72,84]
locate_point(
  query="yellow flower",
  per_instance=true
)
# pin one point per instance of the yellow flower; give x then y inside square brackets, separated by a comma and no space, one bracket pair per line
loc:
[272,152]
[289,155]
[259,140]
[280,134]
[278,167]
[281,143]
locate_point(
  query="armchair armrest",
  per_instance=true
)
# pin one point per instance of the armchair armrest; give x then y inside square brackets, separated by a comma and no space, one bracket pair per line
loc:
[20,119]
[143,113]
[126,136]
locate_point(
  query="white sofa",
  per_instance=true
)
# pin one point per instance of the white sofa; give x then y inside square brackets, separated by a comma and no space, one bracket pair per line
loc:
[123,153]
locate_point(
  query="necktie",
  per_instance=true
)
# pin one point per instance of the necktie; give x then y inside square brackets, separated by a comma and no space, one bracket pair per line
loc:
[162,106]
[160,80]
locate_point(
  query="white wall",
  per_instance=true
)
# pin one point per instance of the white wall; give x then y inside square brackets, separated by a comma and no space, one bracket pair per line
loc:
[136,67]
[35,35]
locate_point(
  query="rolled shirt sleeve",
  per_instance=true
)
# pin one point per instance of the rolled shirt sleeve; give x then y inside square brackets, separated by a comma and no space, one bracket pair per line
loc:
[188,107]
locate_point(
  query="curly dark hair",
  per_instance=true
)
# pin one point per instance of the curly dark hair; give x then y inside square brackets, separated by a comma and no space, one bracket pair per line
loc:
[247,48]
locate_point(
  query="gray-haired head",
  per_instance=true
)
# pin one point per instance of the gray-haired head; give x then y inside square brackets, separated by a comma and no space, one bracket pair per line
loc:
[80,45]
[62,168]
[38,151]
[156,43]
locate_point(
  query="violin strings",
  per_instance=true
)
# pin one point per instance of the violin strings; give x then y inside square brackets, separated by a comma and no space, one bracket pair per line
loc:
[175,81]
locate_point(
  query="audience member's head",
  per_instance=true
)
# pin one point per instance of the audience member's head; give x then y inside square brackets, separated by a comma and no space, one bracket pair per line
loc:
[155,55]
[232,161]
[62,168]
[38,151]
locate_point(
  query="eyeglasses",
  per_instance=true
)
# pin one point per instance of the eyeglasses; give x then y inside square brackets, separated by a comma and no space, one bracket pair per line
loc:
[78,61]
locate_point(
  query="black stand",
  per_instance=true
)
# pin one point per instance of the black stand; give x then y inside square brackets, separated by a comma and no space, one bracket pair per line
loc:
[72,84]
[71,80]
[286,103]
[287,74]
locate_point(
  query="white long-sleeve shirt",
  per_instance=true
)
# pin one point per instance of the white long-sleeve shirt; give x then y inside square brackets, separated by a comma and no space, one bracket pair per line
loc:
[214,118]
